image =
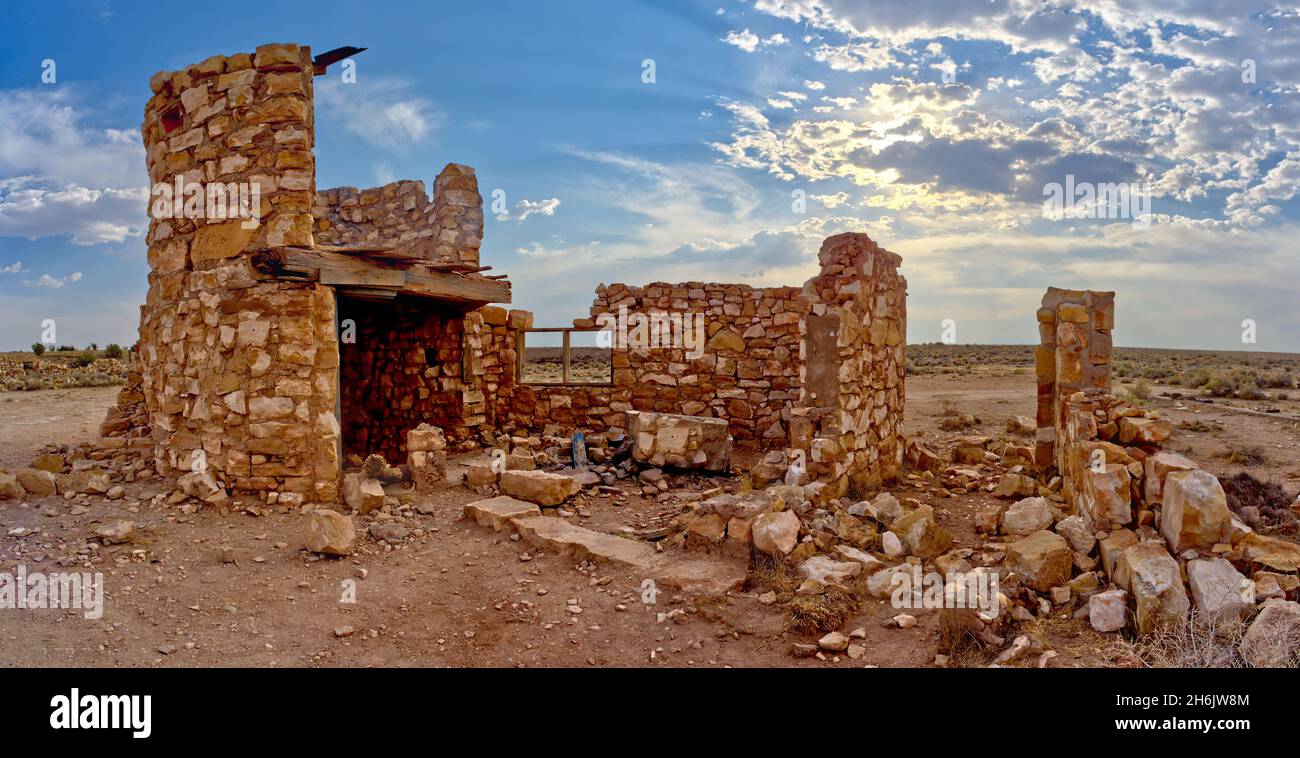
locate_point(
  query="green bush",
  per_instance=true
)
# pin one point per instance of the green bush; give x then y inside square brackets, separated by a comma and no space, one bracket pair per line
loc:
[114,350]
[38,348]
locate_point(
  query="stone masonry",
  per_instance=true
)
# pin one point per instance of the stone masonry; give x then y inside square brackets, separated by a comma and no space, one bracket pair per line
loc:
[240,370]
[315,324]
[1074,349]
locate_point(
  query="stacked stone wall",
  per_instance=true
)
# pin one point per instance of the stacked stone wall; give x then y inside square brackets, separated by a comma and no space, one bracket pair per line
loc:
[849,420]
[447,230]
[1074,353]
[745,368]
[237,372]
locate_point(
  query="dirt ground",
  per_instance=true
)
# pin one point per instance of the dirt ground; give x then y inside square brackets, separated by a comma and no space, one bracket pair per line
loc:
[456,594]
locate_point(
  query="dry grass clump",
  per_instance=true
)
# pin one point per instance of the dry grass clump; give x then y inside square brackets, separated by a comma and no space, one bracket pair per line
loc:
[1244,455]
[826,612]
[1199,641]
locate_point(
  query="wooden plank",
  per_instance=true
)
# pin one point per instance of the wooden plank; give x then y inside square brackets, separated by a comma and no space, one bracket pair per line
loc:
[565,358]
[370,277]
[342,269]
[368,293]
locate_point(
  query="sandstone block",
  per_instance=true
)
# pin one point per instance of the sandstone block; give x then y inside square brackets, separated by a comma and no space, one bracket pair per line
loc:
[37,482]
[1043,559]
[667,439]
[539,486]
[1157,467]
[329,532]
[361,494]
[1195,512]
[1273,639]
[1156,585]
[775,534]
[1218,589]
[1027,516]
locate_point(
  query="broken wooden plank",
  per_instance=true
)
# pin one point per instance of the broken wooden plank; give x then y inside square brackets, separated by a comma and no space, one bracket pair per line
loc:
[340,269]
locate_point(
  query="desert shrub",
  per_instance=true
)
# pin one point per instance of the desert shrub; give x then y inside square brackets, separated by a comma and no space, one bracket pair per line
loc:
[66,349]
[1221,386]
[1261,505]
[83,360]
[114,350]
[1197,425]
[1246,455]
[1274,380]
[1200,378]
[38,348]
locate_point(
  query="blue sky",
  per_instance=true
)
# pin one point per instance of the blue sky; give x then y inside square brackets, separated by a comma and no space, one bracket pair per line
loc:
[932,126]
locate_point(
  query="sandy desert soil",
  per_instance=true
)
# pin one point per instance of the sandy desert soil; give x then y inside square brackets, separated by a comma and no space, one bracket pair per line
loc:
[233,589]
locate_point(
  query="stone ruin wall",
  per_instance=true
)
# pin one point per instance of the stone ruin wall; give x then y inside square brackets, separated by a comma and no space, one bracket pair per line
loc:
[754,372]
[238,372]
[747,372]
[849,419]
[1074,328]
[446,230]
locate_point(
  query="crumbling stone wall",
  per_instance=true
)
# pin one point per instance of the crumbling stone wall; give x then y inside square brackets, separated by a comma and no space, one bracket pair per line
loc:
[238,372]
[746,370]
[447,230]
[1074,353]
[849,419]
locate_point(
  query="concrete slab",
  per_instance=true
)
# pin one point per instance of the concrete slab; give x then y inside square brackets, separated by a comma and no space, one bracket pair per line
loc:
[497,512]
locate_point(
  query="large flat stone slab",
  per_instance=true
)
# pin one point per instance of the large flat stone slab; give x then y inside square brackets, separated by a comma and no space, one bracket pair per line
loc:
[701,576]
[497,512]
[581,542]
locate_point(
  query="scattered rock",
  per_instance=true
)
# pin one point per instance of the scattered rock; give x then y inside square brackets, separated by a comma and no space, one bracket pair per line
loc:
[362,495]
[1027,516]
[117,533]
[539,487]
[827,571]
[835,642]
[921,534]
[1273,639]
[1156,585]
[329,532]
[775,534]
[1043,559]
[1218,589]
[37,482]
[1107,610]
[1195,512]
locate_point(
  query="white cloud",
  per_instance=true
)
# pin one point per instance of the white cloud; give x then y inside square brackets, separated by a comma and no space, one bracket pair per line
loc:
[382,111]
[14,268]
[89,216]
[63,177]
[52,282]
[749,41]
[525,208]
[813,85]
